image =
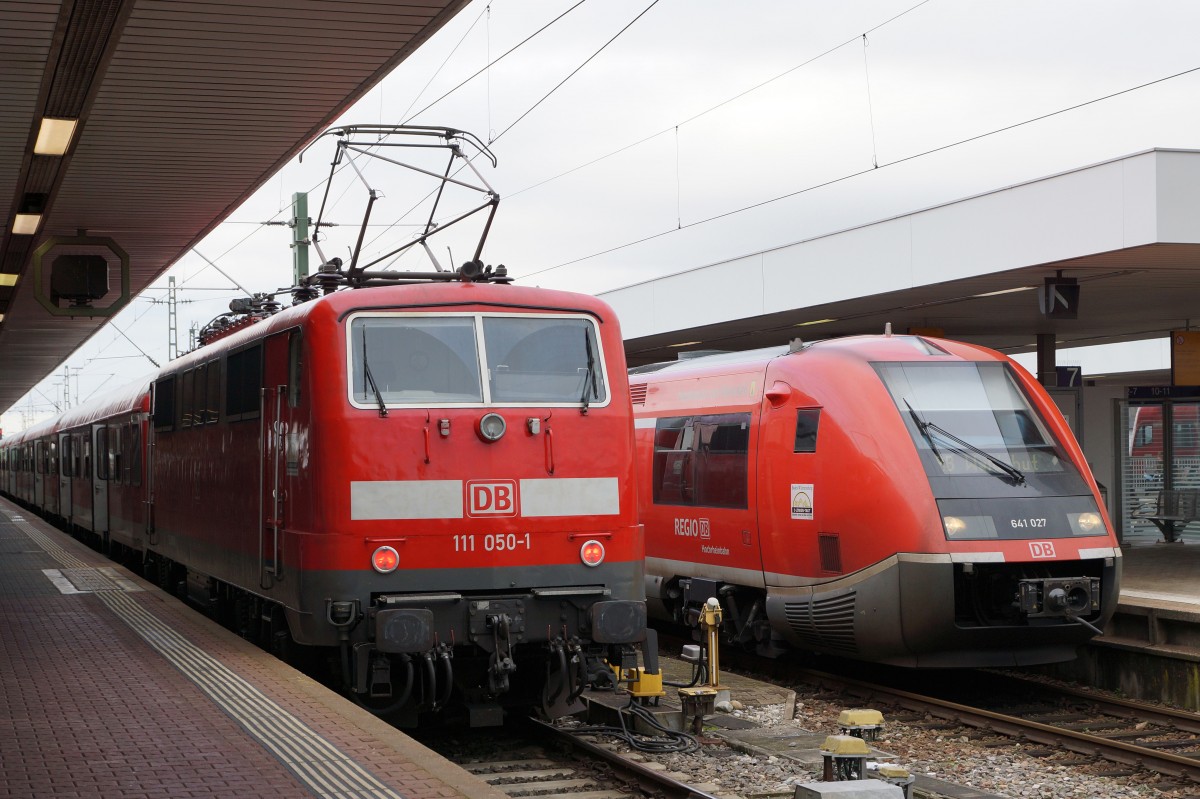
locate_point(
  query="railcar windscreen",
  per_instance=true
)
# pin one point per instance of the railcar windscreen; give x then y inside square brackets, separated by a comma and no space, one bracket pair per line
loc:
[420,359]
[956,410]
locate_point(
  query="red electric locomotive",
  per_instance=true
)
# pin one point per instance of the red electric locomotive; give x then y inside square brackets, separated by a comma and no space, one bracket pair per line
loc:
[897,499]
[427,476]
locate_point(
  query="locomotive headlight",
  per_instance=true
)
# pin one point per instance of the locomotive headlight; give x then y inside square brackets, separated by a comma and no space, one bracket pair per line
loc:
[1086,523]
[385,560]
[592,553]
[490,427]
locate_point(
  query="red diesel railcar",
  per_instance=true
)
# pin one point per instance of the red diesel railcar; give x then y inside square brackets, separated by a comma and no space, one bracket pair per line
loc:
[897,499]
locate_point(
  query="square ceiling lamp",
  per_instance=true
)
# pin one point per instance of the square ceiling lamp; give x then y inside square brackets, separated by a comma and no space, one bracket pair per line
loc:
[27,219]
[54,136]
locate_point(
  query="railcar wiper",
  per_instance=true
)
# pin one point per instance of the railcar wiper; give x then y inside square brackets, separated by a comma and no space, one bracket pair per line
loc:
[370,379]
[964,447]
[589,378]
[923,426]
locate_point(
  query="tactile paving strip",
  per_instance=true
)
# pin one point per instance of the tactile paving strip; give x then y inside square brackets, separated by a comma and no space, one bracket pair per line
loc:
[317,763]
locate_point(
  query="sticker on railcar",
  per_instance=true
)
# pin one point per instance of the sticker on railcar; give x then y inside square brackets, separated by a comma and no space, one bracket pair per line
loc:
[1042,549]
[693,528]
[491,498]
[802,501]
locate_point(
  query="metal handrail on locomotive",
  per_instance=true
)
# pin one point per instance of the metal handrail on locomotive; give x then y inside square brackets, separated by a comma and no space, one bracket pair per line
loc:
[901,499]
[428,480]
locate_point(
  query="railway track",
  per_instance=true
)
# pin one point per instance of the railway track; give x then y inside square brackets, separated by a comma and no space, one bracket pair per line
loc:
[549,762]
[1135,735]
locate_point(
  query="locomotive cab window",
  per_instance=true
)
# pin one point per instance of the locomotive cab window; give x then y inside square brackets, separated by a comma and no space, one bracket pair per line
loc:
[807,420]
[475,359]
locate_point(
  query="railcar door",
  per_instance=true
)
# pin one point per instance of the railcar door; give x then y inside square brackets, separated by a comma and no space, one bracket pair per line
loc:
[99,478]
[794,542]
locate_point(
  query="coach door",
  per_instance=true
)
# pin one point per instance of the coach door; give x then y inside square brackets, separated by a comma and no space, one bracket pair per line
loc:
[40,475]
[277,467]
[64,475]
[99,479]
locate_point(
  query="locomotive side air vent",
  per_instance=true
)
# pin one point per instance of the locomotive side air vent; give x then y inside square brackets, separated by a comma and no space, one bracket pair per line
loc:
[830,549]
[637,393]
[824,623]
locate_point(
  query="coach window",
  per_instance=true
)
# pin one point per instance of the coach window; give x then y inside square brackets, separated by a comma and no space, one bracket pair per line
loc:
[114,454]
[64,460]
[53,447]
[243,383]
[133,454]
[102,470]
[164,403]
[86,449]
[40,457]
[807,420]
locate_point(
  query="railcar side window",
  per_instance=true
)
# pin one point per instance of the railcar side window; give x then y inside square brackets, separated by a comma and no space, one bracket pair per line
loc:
[807,420]
[164,403]
[702,460]
[243,383]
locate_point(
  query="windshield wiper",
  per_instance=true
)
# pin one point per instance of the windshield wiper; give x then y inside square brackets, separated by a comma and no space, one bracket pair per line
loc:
[923,426]
[589,378]
[370,379]
[965,447]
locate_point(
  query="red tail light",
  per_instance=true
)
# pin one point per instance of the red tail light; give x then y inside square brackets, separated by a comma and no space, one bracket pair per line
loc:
[592,553]
[385,559]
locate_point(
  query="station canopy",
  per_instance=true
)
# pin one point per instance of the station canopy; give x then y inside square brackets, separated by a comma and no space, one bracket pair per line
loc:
[1099,254]
[129,129]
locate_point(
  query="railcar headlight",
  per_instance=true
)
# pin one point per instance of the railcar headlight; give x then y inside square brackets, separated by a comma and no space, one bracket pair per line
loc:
[385,560]
[969,527]
[491,427]
[1086,523]
[592,553]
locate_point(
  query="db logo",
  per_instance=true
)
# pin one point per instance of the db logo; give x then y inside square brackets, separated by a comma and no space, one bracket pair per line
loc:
[491,498]
[1041,549]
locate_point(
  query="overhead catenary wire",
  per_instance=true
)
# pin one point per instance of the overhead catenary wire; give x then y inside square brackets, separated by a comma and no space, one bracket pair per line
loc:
[860,172]
[728,100]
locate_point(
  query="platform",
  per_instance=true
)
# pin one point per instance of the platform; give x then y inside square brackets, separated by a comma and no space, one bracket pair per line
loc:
[113,688]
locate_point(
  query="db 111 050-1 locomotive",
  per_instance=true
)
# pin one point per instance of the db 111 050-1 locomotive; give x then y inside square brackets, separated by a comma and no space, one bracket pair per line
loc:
[429,477]
[899,499]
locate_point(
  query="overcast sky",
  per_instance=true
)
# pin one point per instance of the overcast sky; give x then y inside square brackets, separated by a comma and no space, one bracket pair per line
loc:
[670,148]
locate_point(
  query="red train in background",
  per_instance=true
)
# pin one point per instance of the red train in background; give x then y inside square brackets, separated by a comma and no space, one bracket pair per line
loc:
[898,499]
[428,477]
